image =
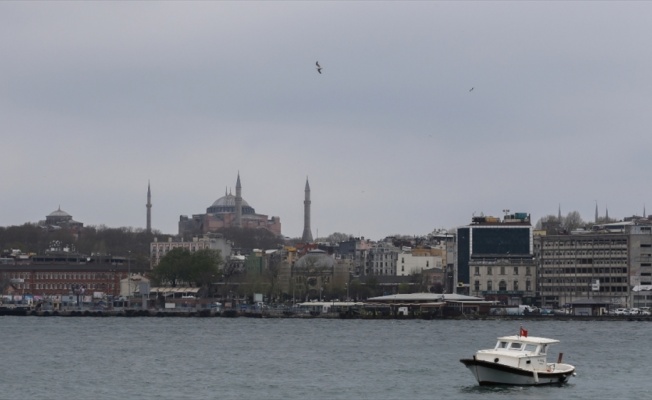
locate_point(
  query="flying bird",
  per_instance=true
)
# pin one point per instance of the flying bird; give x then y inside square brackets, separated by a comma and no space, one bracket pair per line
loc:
[470,90]
[318,67]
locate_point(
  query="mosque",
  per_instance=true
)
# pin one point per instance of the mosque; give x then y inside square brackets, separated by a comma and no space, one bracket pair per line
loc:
[233,211]
[59,219]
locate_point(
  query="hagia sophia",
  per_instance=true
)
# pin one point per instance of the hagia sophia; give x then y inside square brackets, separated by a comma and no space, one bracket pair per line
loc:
[233,211]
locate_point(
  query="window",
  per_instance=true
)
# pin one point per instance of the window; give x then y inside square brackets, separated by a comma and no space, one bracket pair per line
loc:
[528,272]
[502,286]
[515,346]
[488,270]
[477,271]
[502,270]
[515,286]
[476,285]
[515,270]
[490,286]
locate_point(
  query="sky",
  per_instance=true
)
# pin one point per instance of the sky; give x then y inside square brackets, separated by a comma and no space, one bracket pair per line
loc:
[425,113]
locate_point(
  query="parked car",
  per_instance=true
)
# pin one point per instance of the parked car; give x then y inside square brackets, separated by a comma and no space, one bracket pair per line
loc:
[621,311]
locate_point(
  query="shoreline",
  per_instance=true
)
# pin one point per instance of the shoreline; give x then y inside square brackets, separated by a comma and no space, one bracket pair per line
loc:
[233,314]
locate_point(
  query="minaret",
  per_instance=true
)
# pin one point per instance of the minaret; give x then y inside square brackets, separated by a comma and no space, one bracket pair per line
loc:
[149,209]
[559,213]
[606,215]
[596,212]
[307,234]
[238,203]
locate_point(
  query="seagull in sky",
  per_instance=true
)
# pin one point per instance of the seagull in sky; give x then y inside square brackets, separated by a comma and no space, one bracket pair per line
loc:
[470,90]
[318,67]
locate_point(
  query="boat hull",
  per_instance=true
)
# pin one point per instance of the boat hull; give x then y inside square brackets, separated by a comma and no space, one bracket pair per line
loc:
[488,373]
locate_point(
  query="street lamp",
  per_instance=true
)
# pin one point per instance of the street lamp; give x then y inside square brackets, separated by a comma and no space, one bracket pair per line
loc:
[129,274]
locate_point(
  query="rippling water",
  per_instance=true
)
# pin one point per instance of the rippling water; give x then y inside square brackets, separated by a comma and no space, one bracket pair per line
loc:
[241,358]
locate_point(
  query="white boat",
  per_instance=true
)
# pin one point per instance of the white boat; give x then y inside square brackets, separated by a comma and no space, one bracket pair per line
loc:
[519,360]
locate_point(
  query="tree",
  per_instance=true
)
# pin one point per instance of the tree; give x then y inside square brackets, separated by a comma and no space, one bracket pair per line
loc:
[274,264]
[572,221]
[553,225]
[337,237]
[548,221]
[205,266]
[355,288]
[181,266]
[173,268]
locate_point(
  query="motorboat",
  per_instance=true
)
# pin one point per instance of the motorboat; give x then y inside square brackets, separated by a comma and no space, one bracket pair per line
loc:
[519,360]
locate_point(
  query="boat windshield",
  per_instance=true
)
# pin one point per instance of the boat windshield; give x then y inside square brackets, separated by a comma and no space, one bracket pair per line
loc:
[515,346]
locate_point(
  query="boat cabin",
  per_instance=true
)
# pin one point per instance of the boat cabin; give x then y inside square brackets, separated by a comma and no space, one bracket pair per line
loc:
[521,346]
[519,351]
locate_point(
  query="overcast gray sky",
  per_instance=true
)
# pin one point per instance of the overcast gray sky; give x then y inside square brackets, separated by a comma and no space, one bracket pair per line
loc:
[97,98]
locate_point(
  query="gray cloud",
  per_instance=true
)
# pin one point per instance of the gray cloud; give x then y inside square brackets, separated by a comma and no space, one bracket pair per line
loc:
[97,98]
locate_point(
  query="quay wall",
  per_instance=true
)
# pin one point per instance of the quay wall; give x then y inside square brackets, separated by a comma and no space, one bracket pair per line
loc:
[280,314]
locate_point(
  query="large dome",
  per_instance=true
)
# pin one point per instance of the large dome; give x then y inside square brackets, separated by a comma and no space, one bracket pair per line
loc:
[228,201]
[59,213]
[226,204]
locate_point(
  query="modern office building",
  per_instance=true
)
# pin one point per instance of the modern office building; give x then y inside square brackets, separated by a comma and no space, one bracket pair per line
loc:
[611,264]
[495,259]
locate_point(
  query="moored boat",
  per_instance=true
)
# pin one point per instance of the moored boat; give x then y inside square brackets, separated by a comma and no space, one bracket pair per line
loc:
[519,360]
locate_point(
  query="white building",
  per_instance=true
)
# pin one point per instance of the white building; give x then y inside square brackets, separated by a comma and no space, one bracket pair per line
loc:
[209,242]
[409,264]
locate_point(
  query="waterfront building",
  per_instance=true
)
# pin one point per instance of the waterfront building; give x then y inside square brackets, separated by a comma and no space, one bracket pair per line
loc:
[447,243]
[356,250]
[213,241]
[382,259]
[610,263]
[226,212]
[496,260]
[64,273]
[415,261]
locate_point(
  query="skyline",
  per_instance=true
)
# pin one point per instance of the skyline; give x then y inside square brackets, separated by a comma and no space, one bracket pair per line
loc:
[97,99]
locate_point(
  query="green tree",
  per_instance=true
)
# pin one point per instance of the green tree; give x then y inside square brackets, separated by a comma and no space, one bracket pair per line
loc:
[205,266]
[180,266]
[271,274]
[173,268]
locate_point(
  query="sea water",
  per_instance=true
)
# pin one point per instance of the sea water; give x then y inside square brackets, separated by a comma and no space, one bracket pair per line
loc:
[243,358]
